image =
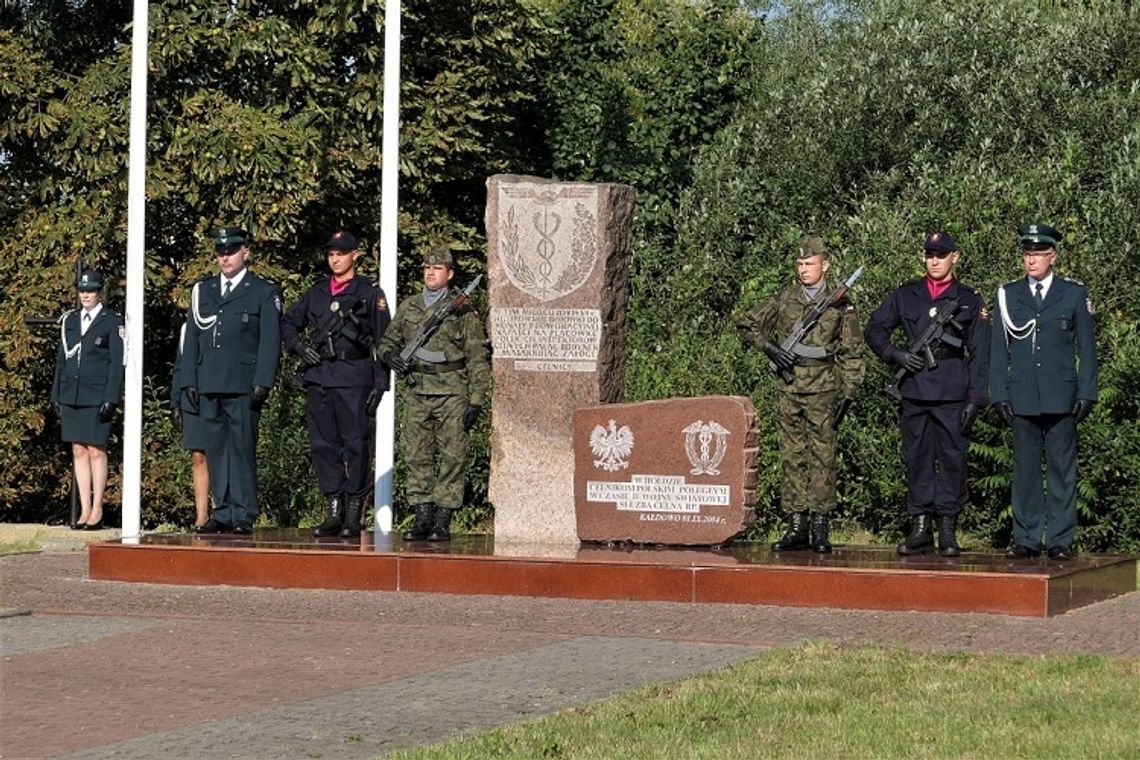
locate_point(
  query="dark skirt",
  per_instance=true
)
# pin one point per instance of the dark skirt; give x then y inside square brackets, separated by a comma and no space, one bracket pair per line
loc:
[194,435]
[80,424]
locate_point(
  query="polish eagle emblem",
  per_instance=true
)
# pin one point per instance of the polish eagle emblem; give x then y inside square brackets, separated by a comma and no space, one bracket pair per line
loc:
[611,447]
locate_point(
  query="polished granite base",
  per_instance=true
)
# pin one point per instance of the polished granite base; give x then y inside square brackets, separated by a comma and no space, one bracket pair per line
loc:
[852,577]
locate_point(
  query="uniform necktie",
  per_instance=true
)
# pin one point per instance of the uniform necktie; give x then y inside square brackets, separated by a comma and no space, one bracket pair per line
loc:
[226,289]
[1037,296]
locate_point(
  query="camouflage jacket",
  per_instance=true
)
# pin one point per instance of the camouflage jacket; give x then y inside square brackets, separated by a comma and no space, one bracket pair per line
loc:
[837,333]
[461,339]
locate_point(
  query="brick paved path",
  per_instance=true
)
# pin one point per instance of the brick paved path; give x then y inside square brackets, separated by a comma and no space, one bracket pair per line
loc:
[103,669]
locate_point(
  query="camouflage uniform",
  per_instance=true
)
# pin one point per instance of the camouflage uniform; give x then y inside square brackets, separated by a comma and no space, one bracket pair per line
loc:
[804,407]
[433,408]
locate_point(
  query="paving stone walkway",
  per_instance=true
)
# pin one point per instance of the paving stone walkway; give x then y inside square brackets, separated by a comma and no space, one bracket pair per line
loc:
[98,669]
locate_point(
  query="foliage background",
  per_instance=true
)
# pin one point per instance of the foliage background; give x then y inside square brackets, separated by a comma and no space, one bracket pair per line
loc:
[740,124]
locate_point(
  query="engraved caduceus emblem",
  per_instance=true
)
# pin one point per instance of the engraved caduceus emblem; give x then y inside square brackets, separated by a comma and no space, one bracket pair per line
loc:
[548,238]
[705,444]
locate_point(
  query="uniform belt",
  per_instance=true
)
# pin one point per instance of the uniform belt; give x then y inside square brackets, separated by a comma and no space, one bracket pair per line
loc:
[438,369]
[347,354]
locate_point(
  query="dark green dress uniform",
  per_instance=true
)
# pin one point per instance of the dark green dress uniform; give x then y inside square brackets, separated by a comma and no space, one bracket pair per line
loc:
[194,436]
[233,343]
[1042,362]
[805,407]
[88,374]
[451,374]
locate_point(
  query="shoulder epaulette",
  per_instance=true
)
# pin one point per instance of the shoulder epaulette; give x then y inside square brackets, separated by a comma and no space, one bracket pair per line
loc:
[1074,281]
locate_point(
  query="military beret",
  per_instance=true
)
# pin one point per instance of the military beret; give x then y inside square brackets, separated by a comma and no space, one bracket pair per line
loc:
[811,245]
[90,280]
[439,254]
[342,240]
[229,239]
[1038,236]
[940,242]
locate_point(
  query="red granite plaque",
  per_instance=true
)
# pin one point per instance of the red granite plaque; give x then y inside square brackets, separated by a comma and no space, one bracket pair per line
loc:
[678,471]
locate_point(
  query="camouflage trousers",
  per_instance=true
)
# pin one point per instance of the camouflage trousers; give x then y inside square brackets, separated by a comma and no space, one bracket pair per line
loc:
[435,449]
[807,451]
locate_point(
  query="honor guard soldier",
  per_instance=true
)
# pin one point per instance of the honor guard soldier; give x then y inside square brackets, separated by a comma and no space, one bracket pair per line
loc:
[344,382]
[1043,381]
[230,358]
[448,378]
[87,386]
[822,373]
[941,384]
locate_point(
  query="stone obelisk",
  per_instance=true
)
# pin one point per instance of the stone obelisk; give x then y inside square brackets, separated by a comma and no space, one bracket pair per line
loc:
[558,265]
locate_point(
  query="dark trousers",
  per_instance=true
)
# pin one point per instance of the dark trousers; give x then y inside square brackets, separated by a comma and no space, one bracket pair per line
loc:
[934,450]
[339,433]
[1051,512]
[231,454]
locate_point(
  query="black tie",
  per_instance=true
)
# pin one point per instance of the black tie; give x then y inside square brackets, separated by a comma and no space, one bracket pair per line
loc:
[86,316]
[1038,297]
[226,289]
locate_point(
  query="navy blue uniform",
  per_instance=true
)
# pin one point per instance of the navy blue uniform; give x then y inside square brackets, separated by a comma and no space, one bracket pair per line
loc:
[934,446]
[1043,359]
[232,344]
[88,374]
[337,388]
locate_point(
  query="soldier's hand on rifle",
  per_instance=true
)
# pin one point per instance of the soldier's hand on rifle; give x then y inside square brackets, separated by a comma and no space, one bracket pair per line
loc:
[840,411]
[191,395]
[176,416]
[1005,410]
[969,414]
[1081,409]
[908,359]
[106,411]
[310,355]
[783,359]
[373,401]
[470,417]
[257,396]
[396,362]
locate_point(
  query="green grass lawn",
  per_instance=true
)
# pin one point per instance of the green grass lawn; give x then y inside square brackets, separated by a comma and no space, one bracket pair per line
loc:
[818,701]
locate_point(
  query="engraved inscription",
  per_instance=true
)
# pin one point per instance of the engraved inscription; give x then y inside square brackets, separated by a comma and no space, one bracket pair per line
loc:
[657,493]
[548,340]
[548,239]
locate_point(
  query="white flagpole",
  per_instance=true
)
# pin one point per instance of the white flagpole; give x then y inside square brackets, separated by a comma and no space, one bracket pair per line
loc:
[136,279]
[389,209]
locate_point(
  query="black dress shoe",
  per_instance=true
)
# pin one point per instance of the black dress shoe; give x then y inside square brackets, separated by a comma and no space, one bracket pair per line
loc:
[93,526]
[1017,551]
[211,526]
[242,529]
[1060,553]
[78,526]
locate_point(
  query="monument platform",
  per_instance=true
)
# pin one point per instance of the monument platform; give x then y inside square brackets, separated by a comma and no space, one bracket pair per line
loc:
[852,577]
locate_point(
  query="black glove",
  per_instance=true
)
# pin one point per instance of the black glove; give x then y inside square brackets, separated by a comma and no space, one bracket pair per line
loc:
[470,417]
[373,401]
[190,393]
[1082,409]
[1005,410]
[908,359]
[310,355]
[106,411]
[176,416]
[969,414]
[395,362]
[840,411]
[58,409]
[257,396]
[782,358]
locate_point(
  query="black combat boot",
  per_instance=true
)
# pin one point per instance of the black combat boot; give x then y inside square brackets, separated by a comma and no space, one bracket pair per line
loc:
[947,536]
[820,528]
[334,517]
[441,527]
[353,507]
[421,526]
[920,539]
[796,536]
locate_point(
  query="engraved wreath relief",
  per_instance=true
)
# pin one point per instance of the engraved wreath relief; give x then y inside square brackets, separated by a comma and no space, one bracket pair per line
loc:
[548,239]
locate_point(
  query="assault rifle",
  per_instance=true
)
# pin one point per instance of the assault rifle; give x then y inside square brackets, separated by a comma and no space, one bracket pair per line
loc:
[324,337]
[807,323]
[924,344]
[428,328]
